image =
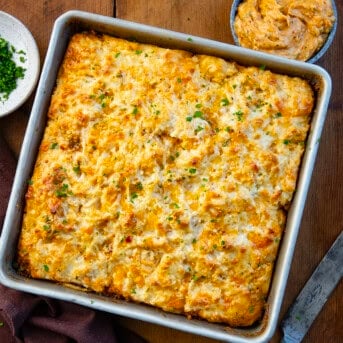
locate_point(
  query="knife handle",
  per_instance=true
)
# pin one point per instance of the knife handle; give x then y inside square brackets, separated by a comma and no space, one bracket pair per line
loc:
[314,295]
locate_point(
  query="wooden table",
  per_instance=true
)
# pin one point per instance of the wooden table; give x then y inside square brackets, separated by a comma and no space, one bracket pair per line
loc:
[323,218]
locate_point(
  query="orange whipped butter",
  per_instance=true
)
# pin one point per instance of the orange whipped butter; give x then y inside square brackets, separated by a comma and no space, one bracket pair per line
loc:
[295,29]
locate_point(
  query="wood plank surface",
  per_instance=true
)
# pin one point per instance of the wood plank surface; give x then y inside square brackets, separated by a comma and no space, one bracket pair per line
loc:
[205,18]
[323,217]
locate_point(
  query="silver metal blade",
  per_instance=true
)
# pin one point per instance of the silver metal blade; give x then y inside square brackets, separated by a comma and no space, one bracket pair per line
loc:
[314,295]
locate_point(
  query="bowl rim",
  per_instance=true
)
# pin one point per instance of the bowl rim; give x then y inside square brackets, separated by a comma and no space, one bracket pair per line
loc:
[32,54]
[314,58]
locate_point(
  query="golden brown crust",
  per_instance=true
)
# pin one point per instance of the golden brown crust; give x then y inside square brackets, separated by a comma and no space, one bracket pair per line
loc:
[162,177]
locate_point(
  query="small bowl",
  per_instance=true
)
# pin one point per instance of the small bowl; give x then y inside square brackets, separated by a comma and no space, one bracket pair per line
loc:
[16,33]
[316,56]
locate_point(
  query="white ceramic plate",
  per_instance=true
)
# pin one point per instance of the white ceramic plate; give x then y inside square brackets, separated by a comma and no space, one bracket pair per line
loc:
[16,33]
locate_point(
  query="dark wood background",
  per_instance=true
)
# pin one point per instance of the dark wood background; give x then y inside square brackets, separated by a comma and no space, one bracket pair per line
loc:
[323,216]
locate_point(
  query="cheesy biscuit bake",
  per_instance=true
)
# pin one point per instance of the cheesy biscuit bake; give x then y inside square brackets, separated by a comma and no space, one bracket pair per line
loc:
[164,177]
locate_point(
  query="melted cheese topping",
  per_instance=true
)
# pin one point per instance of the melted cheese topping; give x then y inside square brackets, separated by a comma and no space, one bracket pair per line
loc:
[164,177]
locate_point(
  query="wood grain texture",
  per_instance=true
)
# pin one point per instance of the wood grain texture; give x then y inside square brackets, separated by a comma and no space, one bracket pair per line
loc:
[323,216]
[205,18]
[40,15]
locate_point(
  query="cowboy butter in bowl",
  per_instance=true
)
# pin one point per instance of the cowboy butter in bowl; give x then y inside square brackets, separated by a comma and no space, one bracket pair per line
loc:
[296,29]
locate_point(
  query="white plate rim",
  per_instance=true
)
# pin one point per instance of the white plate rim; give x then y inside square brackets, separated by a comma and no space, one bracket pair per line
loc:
[18,35]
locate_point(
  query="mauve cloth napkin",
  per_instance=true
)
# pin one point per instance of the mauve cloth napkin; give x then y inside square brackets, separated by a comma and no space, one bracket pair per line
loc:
[35,319]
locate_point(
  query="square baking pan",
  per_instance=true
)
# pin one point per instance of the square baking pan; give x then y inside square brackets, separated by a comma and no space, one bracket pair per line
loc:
[76,21]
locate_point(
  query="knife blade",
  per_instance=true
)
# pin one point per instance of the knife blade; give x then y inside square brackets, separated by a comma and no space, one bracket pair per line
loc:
[314,295]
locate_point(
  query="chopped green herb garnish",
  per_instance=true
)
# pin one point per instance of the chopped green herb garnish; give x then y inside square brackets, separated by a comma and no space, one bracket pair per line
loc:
[46,227]
[22,59]
[9,71]
[239,115]
[63,191]
[46,267]
[139,186]
[262,67]
[190,39]
[189,118]
[133,291]
[234,86]
[251,309]
[77,169]
[54,145]
[30,182]
[260,103]
[198,114]
[196,277]
[224,102]
[192,170]
[133,196]
[198,129]
[194,240]
[135,110]
[179,80]
[286,141]
[278,115]
[198,105]
[138,52]
[117,55]
[226,143]
[176,205]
